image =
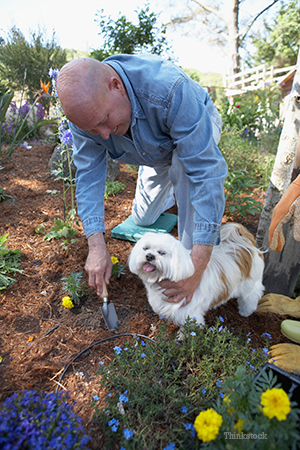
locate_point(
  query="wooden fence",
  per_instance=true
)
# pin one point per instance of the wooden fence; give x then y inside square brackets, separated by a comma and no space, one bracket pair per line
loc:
[255,78]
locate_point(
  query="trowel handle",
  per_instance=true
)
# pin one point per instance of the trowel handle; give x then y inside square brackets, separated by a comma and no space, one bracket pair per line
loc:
[104,294]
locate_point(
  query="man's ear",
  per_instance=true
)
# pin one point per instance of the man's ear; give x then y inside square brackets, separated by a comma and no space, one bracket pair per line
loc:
[115,84]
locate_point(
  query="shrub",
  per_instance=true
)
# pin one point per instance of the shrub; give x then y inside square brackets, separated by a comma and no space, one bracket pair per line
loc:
[32,421]
[156,389]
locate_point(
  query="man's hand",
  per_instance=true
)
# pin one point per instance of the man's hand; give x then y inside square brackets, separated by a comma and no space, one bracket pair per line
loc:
[98,264]
[185,288]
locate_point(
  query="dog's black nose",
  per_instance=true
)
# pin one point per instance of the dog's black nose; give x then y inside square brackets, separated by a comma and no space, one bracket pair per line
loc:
[150,257]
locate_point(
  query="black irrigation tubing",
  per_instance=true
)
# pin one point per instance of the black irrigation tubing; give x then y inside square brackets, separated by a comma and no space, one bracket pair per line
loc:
[99,342]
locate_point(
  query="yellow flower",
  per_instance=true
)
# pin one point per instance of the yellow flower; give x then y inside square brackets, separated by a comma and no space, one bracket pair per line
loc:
[256,99]
[239,425]
[227,401]
[275,403]
[67,302]
[114,260]
[207,425]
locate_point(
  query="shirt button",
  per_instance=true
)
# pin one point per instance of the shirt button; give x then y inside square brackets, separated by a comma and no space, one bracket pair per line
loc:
[144,153]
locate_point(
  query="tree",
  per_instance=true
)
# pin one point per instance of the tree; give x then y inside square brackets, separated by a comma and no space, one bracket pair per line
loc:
[277,44]
[225,31]
[282,269]
[122,36]
[34,58]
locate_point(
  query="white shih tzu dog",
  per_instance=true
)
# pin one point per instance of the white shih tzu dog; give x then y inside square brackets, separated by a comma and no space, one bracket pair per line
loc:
[235,270]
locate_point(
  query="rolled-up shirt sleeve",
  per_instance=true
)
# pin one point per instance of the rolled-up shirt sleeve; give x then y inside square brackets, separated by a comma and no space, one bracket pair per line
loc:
[191,129]
[90,159]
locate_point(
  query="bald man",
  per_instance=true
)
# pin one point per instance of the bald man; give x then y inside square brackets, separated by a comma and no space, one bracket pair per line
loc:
[145,111]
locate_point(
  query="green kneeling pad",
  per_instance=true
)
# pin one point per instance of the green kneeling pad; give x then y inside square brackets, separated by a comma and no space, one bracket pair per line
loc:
[129,231]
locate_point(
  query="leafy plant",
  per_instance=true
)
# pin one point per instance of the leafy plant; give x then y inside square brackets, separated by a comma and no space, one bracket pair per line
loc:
[7,198]
[255,414]
[61,230]
[9,263]
[156,389]
[113,187]
[5,99]
[122,36]
[32,420]
[74,286]
[253,112]
[117,269]
[239,195]
[19,128]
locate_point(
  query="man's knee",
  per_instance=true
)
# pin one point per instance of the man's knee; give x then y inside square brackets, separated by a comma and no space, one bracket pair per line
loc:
[140,219]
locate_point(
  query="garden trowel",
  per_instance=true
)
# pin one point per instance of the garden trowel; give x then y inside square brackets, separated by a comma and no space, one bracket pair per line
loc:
[108,310]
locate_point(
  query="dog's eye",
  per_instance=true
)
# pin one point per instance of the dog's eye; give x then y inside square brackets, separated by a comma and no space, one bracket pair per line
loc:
[146,248]
[161,252]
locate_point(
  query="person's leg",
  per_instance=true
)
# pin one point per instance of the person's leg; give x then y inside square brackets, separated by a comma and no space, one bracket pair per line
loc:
[181,185]
[153,195]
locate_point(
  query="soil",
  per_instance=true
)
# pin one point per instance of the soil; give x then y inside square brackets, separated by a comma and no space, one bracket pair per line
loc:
[38,336]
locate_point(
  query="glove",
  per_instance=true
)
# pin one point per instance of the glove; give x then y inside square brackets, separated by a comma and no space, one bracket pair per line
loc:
[286,357]
[279,304]
[288,206]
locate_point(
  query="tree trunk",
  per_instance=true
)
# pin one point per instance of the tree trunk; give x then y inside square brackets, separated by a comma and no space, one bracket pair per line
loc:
[282,269]
[233,37]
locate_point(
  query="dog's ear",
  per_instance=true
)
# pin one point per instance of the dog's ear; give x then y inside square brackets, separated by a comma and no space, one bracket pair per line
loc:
[132,259]
[182,264]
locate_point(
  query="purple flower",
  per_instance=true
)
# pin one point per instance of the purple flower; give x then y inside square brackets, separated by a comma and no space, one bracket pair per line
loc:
[40,113]
[67,137]
[53,73]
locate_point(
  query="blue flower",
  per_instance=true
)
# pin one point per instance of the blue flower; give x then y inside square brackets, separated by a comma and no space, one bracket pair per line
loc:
[123,398]
[193,333]
[265,350]
[127,433]
[117,349]
[219,383]
[220,328]
[143,343]
[96,398]
[203,391]
[184,409]
[268,335]
[221,318]
[114,423]
[189,426]
[101,363]
[143,355]
[171,446]
[221,395]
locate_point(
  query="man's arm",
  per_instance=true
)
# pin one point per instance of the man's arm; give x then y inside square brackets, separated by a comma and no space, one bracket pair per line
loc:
[98,264]
[175,292]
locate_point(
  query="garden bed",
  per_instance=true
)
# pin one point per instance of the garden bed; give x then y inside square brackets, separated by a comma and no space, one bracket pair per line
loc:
[39,337]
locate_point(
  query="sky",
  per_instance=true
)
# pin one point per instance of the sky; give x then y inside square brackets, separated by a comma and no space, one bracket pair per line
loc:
[75,25]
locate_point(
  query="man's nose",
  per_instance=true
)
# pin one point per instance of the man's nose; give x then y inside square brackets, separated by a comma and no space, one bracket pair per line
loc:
[103,131]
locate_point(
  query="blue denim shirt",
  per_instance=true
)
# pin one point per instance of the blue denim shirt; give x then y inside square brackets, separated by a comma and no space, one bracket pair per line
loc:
[169,110]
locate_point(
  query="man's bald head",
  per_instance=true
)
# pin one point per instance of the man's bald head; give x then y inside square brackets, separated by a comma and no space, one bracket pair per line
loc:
[89,92]
[81,81]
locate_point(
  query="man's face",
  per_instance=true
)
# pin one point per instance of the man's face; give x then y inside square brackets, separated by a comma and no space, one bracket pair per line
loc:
[108,114]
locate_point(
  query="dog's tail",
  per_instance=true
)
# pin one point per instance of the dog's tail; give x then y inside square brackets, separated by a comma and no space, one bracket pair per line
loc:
[237,234]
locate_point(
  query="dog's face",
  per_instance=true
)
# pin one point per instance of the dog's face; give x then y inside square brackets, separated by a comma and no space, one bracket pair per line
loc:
[160,256]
